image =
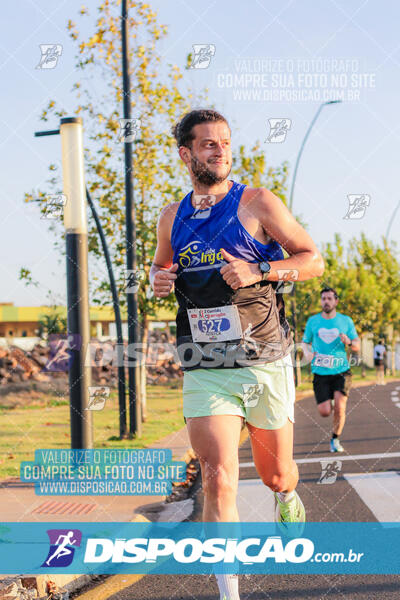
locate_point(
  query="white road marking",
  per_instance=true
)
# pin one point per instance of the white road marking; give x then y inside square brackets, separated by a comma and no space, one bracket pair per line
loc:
[255,501]
[338,455]
[380,492]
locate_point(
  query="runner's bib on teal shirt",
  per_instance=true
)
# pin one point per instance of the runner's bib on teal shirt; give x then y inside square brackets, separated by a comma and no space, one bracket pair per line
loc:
[323,335]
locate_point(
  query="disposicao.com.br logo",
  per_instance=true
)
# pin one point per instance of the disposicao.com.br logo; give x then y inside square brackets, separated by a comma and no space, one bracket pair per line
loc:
[109,552]
[191,550]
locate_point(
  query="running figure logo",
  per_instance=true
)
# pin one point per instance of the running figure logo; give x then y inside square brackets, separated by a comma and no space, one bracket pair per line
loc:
[286,279]
[61,356]
[357,206]
[50,55]
[62,547]
[54,206]
[202,54]
[330,471]
[202,205]
[97,397]
[132,280]
[129,129]
[278,129]
[252,393]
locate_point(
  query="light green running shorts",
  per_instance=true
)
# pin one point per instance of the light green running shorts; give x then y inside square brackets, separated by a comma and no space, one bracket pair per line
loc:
[264,395]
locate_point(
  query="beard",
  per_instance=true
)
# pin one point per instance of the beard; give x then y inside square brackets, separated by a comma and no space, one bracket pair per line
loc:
[328,309]
[206,176]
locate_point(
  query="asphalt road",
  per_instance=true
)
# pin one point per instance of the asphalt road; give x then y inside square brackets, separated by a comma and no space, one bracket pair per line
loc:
[367,488]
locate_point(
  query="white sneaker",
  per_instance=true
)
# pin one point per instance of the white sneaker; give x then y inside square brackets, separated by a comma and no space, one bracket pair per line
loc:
[336,446]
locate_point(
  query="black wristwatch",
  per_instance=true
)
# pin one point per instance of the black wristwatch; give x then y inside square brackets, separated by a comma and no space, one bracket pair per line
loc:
[265,268]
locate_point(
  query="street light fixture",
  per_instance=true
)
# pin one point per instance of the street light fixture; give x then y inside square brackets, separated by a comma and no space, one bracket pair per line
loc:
[303,144]
[391,220]
[297,371]
[75,222]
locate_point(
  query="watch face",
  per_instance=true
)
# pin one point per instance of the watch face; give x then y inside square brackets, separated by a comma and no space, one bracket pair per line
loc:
[265,267]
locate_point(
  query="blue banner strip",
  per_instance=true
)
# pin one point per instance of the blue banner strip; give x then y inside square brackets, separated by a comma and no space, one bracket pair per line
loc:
[179,548]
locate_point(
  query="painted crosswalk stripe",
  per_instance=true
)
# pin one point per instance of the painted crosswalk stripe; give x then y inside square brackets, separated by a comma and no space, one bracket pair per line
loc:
[315,459]
[380,492]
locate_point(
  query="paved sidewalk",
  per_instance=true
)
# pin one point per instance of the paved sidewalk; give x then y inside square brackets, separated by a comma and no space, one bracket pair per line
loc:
[19,502]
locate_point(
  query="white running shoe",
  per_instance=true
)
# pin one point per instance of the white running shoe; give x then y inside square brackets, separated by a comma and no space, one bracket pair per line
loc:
[336,446]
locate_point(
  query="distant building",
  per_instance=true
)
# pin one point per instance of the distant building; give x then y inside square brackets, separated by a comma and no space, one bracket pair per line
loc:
[19,322]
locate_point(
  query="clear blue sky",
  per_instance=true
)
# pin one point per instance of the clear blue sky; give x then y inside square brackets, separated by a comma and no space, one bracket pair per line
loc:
[353,148]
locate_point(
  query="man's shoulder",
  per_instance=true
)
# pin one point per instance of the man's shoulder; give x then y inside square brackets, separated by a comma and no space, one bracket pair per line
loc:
[167,218]
[264,203]
[314,318]
[257,193]
[344,317]
[169,211]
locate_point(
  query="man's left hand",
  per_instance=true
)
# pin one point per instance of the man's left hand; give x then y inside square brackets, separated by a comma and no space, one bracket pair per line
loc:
[345,339]
[239,273]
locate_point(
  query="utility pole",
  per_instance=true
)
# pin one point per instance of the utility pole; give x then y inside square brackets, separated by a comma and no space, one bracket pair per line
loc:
[135,416]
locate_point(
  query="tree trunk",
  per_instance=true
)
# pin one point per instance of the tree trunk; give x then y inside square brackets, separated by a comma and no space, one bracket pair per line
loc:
[143,368]
[363,369]
[297,373]
[393,354]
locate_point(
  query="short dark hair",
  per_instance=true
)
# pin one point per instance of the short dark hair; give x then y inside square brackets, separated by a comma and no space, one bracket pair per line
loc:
[183,130]
[330,289]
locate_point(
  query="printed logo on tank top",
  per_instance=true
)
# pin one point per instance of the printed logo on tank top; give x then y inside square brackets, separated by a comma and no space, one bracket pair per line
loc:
[197,255]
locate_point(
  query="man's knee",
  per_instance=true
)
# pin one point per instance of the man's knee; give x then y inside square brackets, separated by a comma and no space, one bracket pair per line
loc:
[218,480]
[324,409]
[279,480]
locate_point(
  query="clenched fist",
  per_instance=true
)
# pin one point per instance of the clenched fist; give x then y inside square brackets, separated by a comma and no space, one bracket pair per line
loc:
[163,282]
[239,273]
[345,339]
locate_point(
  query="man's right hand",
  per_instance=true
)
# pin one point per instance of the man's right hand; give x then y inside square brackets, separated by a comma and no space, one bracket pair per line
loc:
[163,282]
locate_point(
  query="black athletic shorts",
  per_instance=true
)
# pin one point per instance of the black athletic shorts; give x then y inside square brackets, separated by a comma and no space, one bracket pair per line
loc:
[325,385]
[378,362]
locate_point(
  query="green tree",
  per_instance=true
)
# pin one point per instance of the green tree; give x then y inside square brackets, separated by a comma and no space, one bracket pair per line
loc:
[158,103]
[52,322]
[251,168]
[367,278]
[159,99]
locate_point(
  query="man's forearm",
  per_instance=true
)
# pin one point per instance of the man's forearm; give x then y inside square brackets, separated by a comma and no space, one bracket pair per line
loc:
[298,267]
[355,345]
[308,352]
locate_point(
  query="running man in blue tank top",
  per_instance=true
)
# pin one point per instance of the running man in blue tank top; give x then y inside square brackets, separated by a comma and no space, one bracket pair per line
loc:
[220,250]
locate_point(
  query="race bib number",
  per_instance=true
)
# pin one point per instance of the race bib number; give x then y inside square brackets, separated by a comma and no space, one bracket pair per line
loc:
[221,323]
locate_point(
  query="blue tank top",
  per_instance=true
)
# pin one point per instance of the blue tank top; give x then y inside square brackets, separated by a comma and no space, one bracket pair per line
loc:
[197,237]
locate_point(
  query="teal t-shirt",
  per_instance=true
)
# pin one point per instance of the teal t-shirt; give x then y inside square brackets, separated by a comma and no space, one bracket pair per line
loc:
[323,335]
